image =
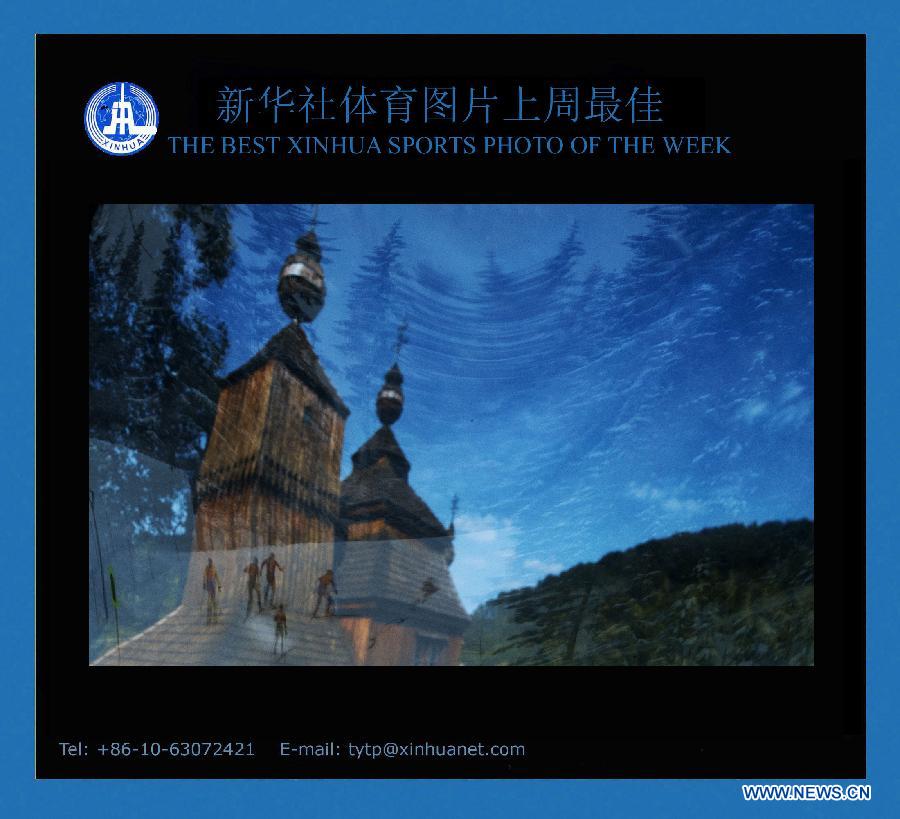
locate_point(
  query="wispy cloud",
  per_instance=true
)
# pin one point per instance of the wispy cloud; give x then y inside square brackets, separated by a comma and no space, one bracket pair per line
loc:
[544,567]
[794,414]
[487,559]
[791,391]
[751,409]
[665,502]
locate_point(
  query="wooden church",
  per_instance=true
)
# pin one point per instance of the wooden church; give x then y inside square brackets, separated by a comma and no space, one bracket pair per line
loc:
[270,478]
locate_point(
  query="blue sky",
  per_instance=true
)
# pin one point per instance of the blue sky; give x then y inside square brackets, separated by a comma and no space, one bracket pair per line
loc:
[653,375]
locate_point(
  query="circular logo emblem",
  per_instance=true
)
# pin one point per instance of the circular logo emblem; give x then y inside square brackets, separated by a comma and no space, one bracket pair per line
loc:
[121,118]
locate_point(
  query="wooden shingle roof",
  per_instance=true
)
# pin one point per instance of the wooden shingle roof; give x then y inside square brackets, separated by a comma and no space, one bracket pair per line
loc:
[399,581]
[378,487]
[291,348]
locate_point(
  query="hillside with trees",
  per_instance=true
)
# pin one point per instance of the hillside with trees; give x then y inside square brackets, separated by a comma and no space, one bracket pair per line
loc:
[726,596]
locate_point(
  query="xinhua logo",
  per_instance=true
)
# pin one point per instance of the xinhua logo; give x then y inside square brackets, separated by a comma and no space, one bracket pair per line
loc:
[121,118]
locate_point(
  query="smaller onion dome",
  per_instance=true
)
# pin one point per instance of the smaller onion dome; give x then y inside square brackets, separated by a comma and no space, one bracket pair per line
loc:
[389,404]
[301,283]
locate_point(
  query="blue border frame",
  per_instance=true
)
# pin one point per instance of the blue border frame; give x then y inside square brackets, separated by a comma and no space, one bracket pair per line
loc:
[23,796]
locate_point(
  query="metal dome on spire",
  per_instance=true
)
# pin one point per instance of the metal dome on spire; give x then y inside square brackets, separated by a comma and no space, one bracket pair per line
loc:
[389,403]
[301,283]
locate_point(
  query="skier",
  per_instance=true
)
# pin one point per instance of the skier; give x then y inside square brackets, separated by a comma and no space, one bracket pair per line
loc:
[270,564]
[280,619]
[325,590]
[210,584]
[252,572]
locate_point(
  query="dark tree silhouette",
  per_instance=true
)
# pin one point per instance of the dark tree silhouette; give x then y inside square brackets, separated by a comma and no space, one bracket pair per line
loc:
[182,352]
[154,355]
[553,614]
[115,368]
[372,317]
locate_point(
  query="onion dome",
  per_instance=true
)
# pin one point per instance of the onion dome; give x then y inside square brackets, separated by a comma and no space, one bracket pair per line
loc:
[301,283]
[389,403]
[308,243]
[378,488]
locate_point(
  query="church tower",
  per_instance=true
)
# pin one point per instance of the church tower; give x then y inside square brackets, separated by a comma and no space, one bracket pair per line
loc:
[270,475]
[397,599]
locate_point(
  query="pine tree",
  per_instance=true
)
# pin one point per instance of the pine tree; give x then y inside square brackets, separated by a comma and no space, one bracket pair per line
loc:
[182,352]
[372,317]
[154,355]
[552,615]
[526,316]
[114,296]
[211,228]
